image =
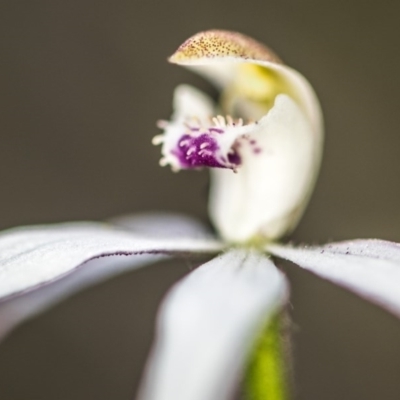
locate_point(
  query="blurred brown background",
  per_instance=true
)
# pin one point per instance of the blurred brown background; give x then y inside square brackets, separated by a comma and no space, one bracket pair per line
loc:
[83,84]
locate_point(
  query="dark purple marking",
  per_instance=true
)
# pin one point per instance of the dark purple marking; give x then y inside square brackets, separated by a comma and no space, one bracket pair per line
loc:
[202,151]
[234,158]
[257,150]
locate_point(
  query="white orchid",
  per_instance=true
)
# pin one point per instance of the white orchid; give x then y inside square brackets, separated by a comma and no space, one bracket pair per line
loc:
[264,156]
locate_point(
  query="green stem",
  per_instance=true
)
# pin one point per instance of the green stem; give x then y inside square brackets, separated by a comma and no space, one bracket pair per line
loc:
[267,374]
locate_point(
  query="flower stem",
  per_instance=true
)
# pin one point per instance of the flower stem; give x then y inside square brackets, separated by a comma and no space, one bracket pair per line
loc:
[267,373]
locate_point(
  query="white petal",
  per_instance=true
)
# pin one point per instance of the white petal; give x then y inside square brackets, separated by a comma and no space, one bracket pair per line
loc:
[370,268]
[191,102]
[207,326]
[31,257]
[19,308]
[162,224]
[271,188]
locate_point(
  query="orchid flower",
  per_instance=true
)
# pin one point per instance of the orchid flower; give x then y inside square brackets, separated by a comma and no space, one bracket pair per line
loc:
[263,144]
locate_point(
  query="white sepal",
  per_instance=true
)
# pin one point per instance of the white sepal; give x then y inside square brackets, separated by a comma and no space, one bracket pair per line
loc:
[207,326]
[34,256]
[369,268]
[42,265]
[159,224]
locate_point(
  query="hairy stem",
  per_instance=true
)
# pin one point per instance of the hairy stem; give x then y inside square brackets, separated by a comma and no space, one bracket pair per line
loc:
[267,375]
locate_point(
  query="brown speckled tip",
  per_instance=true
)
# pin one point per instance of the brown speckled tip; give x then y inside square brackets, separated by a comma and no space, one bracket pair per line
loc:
[220,44]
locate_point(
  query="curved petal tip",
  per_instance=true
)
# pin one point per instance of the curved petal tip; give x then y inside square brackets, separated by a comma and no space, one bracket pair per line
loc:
[217,44]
